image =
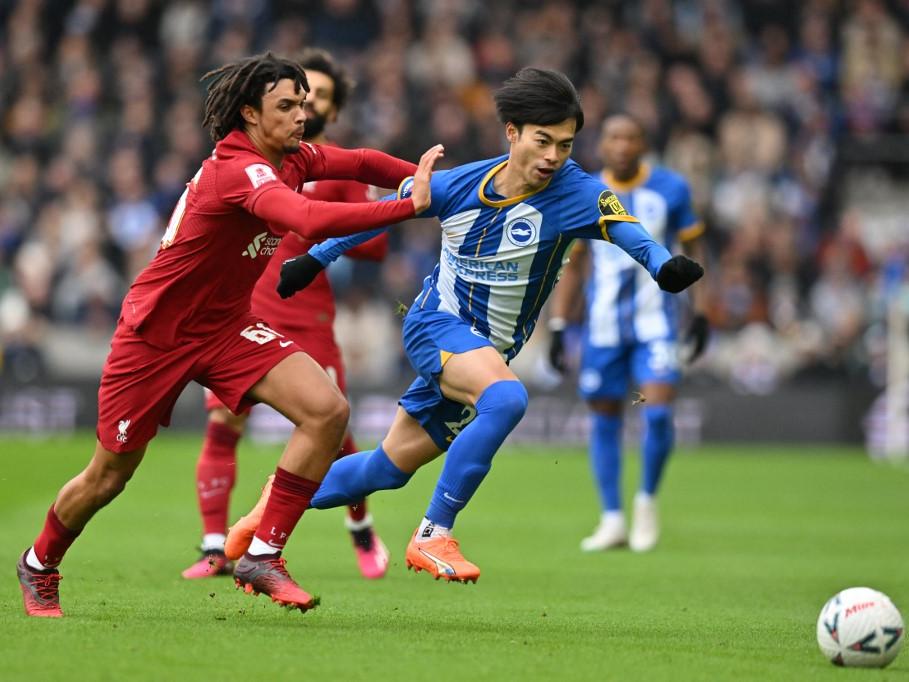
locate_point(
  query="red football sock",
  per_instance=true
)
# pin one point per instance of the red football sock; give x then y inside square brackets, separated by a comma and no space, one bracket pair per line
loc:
[290,497]
[357,511]
[215,476]
[54,540]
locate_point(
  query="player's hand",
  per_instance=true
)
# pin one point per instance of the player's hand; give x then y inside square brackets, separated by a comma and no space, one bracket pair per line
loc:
[557,351]
[557,344]
[420,194]
[297,273]
[678,273]
[697,336]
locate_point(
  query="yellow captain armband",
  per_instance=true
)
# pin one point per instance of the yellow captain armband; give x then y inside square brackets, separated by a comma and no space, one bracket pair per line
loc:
[611,211]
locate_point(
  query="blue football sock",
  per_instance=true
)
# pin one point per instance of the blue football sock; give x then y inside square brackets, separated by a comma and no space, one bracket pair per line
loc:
[658,438]
[499,409]
[606,458]
[355,476]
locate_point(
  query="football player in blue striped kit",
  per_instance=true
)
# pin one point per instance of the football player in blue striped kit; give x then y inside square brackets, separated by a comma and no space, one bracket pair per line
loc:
[630,332]
[507,225]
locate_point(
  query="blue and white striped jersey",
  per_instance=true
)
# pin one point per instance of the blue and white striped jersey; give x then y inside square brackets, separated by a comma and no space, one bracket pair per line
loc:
[501,257]
[622,306]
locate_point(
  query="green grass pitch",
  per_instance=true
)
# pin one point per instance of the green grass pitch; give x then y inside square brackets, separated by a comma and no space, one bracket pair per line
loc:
[755,540]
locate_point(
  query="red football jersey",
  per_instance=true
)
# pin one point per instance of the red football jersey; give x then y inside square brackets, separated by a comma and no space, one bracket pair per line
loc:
[314,306]
[228,224]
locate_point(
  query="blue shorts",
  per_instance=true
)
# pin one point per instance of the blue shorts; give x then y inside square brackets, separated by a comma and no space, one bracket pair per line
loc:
[607,371]
[430,338]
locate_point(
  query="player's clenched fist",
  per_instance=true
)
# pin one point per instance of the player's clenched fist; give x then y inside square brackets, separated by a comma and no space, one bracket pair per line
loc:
[678,273]
[421,194]
[297,273]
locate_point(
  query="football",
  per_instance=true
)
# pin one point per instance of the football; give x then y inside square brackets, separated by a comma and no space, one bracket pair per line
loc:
[860,627]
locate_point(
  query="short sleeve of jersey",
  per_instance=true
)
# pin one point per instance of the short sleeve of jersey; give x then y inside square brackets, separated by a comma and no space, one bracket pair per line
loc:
[438,187]
[242,181]
[684,220]
[589,206]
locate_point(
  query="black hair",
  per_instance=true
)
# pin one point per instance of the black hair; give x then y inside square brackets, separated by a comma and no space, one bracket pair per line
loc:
[628,117]
[319,60]
[538,96]
[243,82]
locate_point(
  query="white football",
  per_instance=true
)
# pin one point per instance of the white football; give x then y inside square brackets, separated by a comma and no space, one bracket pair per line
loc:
[860,627]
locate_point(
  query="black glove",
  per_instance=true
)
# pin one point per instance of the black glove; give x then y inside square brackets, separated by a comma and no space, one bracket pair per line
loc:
[697,336]
[678,273]
[557,344]
[297,273]
[557,351]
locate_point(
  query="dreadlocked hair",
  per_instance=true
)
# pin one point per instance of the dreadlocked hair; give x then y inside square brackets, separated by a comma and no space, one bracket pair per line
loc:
[243,82]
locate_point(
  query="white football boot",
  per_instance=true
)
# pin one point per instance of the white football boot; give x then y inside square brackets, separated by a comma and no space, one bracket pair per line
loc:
[610,533]
[645,526]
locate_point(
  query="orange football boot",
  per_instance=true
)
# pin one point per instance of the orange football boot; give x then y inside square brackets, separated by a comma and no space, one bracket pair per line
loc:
[240,535]
[442,558]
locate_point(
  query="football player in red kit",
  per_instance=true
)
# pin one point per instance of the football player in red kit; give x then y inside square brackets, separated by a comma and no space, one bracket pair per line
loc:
[307,319]
[187,317]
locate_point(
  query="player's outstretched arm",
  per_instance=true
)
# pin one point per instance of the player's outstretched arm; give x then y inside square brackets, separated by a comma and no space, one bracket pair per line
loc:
[419,190]
[374,249]
[672,273]
[317,220]
[369,166]
[298,273]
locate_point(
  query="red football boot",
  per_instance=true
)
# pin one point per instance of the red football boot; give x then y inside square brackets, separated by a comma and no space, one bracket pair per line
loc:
[213,563]
[268,575]
[40,590]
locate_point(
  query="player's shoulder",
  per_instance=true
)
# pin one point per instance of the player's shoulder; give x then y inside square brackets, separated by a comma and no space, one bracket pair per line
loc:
[235,154]
[668,181]
[460,182]
[469,174]
[571,176]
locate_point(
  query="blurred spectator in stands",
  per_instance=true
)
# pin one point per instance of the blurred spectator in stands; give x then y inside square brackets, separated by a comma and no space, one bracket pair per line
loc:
[133,222]
[753,102]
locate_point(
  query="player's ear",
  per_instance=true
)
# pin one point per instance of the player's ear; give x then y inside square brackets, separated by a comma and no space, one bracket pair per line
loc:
[332,114]
[511,132]
[250,114]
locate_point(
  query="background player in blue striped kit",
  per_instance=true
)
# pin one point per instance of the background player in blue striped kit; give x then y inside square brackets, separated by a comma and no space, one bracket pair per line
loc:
[630,332]
[507,224]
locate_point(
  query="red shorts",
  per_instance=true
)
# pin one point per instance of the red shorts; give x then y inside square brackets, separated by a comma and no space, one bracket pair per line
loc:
[319,345]
[140,383]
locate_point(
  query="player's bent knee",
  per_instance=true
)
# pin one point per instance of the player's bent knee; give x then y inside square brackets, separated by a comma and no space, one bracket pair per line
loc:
[338,412]
[507,399]
[331,415]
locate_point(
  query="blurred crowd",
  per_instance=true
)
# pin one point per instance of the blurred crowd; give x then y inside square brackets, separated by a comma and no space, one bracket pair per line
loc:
[751,100]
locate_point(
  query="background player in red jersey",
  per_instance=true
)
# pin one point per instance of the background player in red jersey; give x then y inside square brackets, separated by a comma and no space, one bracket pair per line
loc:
[187,317]
[307,319]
